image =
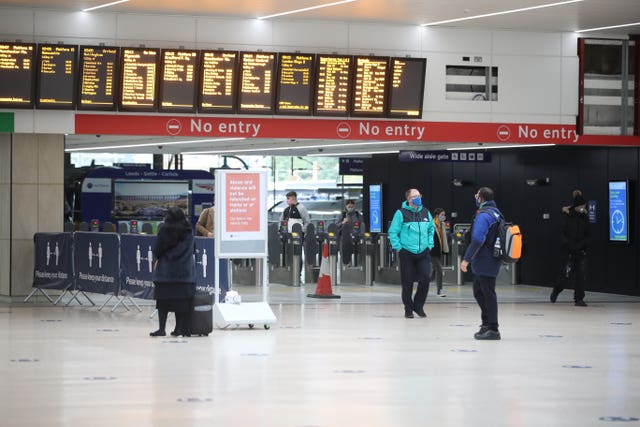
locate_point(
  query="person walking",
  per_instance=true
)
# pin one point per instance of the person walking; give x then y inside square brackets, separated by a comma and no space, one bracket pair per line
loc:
[411,234]
[174,273]
[440,247]
[575,239]
[484,265]
[295,212]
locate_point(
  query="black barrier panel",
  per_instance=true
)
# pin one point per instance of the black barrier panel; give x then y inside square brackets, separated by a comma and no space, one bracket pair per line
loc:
[136,265]
[205,268]
[53,266]
[96,258]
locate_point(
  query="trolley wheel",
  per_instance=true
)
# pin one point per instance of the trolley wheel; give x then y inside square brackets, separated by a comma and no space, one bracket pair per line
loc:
[267,326]
[251,325]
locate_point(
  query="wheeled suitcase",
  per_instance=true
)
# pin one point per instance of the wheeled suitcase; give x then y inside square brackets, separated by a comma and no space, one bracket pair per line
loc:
[202,315]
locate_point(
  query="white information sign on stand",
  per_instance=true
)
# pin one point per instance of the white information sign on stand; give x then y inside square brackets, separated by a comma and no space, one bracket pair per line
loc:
[241,232]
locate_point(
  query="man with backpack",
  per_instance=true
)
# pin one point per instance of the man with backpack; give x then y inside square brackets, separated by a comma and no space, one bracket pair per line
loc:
[484,265]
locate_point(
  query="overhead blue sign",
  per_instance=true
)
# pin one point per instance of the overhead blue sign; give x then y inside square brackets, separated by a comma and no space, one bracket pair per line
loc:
[445,156]
[375,208]
[618,211]
[351,166]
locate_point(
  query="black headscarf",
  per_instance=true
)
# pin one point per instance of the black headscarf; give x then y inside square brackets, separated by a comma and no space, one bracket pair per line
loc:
[174,229]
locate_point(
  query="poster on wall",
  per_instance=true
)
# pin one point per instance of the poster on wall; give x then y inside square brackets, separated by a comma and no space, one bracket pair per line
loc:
[619,211]
[375,208]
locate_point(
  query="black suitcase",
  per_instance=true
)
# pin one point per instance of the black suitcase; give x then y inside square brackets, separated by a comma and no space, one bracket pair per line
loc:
[202,315]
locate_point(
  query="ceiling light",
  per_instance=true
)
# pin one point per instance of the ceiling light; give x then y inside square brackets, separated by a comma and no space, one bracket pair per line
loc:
[113,3]
[300,147]
[608,28]
[306,9]
[495,147]
[149,144]
[505,12]
[361,153]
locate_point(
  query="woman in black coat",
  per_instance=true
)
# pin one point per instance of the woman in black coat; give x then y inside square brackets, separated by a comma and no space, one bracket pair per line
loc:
[174,275]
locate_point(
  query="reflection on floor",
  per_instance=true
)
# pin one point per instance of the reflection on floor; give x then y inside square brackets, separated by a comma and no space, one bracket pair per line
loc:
[349,362]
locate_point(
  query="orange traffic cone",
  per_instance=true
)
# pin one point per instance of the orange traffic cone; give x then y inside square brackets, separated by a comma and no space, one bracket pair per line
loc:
[323,290]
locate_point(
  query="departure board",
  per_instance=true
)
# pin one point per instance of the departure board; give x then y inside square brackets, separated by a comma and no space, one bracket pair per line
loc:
[295,83]
[406,87]
[17,75]
[98,78]
[369,87]
[218,82]
[138,79]
[178,80]
[333,85]
[56,76]
[257,78]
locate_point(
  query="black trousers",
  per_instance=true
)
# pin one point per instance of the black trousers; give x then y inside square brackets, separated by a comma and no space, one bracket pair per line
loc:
[484,291]
[577,275]
[414,268]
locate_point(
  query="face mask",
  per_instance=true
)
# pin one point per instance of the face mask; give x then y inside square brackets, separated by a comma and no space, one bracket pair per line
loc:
[478,202]
[417,201]
[350,208]
[442,218]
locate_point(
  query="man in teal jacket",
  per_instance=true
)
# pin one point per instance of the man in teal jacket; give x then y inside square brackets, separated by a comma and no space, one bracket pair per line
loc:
[411,234]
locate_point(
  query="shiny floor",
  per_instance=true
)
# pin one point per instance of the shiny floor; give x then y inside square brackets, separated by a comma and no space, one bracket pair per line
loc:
[327,363]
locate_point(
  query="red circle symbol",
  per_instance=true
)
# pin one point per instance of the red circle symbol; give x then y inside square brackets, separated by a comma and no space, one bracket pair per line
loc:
[343,130]
[504,133]
[174,127]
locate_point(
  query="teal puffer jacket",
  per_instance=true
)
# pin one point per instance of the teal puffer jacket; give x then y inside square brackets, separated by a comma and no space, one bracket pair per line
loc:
[412,229]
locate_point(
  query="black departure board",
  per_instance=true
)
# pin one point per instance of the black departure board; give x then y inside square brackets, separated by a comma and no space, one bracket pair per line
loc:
[138,79]
[98,83]
[178,80]
[17,73]
[56,76]
[333,85]
[257,79]
[406,87]
[218,81]
[295,83]
[370,86]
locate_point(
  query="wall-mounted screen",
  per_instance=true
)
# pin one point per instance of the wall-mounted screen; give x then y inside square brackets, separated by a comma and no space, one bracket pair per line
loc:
[369,86]
[98,78]
[138,79]
[218,82]
[295,83]
[17,73]
[56,76]
[406,87]
[178,80]
[333,85]
[375,208]
[619,211]
[257,83]
[148,199]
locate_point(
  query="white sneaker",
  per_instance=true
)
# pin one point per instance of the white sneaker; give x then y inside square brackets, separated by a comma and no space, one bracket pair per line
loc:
[442,295]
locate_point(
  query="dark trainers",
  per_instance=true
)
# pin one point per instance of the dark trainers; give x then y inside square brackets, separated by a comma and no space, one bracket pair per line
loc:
[483,329]
[581,304]
[420,312]
[158,333]
[554,296]
[489,334]
[408,314]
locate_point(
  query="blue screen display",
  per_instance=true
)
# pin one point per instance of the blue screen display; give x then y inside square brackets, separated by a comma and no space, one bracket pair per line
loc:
[375,208]
[618,211]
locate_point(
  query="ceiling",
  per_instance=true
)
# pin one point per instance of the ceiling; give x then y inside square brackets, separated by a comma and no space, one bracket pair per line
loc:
[565,18]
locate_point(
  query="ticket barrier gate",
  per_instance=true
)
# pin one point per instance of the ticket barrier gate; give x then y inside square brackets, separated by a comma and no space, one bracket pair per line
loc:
[357,251]
[333,233]
[285,253]
[313,241]
[246,271]
[388,268]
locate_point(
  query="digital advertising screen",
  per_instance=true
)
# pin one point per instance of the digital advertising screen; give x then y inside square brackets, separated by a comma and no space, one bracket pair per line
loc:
[375,208]
[619,211]
[98,78]
[295,83]
[17,75]
[56,76]
[218,82]
[406,88]
[148,199]
[257,83]
[178,81]
[333,85]
[370,86]
[139,79]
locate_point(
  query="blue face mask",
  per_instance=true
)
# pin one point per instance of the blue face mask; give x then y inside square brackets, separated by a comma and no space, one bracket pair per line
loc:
[417,201]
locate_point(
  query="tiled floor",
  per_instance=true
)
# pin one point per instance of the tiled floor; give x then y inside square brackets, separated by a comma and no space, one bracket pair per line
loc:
[349,362]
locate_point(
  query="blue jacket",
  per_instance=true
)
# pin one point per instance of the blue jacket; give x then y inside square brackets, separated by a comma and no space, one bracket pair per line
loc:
[483,235]
[411,229]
